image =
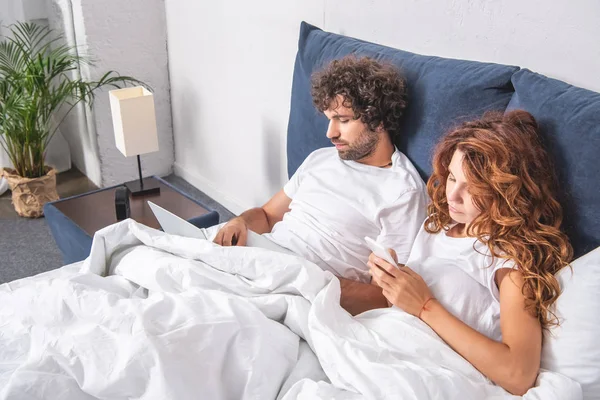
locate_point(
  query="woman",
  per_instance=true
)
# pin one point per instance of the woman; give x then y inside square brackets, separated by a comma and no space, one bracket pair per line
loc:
[481,270]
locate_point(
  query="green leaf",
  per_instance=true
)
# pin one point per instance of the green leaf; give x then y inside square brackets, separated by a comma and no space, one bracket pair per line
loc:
[39,77]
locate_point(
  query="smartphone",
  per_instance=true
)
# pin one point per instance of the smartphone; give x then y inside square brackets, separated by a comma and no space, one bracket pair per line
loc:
[380,251]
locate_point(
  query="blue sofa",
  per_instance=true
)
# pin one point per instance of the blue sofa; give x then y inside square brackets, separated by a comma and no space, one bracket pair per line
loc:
[443,92]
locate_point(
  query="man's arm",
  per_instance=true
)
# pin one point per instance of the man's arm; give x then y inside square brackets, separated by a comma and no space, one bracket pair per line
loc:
[401,222]
[259,219]
[358,297]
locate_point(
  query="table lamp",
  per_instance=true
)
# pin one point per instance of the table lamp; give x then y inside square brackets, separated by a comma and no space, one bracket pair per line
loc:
[134,123]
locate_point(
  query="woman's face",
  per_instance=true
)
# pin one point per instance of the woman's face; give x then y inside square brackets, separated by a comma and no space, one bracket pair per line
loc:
[460,203]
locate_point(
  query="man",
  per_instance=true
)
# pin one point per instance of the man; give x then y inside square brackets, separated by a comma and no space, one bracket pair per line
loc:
[361,187]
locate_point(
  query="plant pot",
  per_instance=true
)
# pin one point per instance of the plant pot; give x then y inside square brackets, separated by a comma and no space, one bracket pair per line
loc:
[30,194]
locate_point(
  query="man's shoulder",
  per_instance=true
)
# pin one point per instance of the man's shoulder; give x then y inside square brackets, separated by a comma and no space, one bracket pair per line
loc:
[323,154]
[408,174]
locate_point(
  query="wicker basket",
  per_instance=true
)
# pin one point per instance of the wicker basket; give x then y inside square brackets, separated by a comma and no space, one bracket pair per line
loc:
[30,194]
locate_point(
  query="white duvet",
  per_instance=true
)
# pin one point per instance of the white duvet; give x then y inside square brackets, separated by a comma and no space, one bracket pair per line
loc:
[154,316]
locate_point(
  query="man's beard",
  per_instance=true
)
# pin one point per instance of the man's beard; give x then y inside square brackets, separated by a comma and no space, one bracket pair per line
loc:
[362,147]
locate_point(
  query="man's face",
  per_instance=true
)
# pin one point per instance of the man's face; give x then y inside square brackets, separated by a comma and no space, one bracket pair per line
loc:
[351,137]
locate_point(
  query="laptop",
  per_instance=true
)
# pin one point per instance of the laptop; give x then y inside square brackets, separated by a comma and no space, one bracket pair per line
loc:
[172,224]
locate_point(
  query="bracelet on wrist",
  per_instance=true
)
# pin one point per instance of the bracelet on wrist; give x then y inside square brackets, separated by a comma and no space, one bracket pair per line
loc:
[424,307]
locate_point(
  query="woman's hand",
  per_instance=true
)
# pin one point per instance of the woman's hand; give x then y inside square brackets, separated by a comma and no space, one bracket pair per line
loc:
[402,286]
[394,256]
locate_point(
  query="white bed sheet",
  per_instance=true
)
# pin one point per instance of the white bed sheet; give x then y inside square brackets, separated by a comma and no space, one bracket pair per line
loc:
[180,318]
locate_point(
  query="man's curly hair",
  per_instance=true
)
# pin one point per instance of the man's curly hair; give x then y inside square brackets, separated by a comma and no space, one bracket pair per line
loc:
[376,92]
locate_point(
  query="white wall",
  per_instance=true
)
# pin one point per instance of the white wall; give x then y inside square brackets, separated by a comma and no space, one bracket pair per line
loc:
[559,39]
[128,37]
[231,66]
[12,11]
[231,71]
[64,18]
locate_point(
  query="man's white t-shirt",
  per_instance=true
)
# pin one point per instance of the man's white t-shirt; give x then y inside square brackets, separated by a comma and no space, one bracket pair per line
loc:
[461,274]
[336,203]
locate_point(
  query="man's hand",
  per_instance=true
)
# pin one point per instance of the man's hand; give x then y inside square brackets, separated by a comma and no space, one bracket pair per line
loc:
[233,233]
[260,220]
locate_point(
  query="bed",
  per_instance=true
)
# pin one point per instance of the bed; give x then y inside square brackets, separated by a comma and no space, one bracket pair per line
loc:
[154,316]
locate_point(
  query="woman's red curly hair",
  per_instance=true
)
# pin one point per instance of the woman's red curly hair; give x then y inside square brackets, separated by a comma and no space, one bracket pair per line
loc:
[512,182]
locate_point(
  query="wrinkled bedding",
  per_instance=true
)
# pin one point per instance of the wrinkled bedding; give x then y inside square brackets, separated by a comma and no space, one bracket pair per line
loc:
[154,316]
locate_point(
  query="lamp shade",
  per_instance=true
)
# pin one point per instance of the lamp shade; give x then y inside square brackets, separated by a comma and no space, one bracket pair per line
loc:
[134,120]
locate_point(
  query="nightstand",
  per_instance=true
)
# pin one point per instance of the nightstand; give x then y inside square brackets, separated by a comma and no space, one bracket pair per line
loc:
[74,220]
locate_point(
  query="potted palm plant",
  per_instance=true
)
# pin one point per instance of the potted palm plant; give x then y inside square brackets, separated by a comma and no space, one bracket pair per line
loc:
[36,84]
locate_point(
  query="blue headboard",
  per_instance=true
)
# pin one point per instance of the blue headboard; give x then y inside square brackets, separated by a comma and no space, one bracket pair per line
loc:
[441,93]
[444,92]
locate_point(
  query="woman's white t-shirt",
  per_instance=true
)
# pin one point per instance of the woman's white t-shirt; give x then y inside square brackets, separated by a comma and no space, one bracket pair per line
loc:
[460,273]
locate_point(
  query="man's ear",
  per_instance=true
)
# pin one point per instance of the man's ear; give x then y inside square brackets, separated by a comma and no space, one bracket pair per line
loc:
[380,128]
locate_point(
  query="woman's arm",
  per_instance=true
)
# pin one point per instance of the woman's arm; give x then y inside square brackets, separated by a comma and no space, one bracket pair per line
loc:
[513,363]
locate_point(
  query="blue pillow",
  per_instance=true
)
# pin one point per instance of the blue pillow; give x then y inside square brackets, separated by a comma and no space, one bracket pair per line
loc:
[441,93]
[569,118]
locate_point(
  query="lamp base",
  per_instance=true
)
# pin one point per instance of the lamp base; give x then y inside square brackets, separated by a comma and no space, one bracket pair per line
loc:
[148,187]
